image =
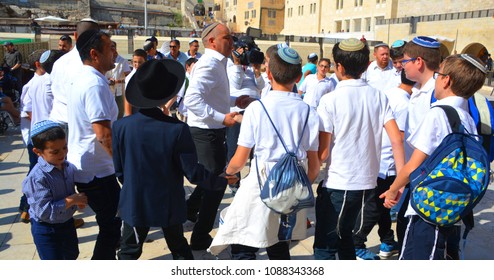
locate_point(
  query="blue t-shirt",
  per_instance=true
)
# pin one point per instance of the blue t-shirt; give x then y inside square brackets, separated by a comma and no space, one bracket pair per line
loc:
[309,66]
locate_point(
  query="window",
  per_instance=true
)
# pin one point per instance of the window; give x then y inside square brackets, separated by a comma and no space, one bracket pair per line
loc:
[254,13]
[300,10]
[290,12]
[339,4]
[313,8]
[250,5]
[272,13]
[234,2]
[246,15]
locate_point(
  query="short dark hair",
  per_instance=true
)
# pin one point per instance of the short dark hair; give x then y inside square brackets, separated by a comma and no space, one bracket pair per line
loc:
[141,53]
[395,53]
[283,72]
[175,41]
[326,60]
[67,39]
[354,62]
[92,40]
[190,61]
[51,134]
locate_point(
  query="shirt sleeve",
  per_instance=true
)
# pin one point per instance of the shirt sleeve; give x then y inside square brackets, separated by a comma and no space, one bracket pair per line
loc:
[431,132]
[246,137]
[326,113]
[40,199]
[236,76]
[202,81]
[98,104]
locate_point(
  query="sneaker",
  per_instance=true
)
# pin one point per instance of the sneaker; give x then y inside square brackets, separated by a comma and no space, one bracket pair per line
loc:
[25,217]
[78,223]
[388,250]
[366,254]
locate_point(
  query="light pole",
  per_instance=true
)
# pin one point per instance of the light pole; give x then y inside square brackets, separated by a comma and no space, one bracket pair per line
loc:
[145,17]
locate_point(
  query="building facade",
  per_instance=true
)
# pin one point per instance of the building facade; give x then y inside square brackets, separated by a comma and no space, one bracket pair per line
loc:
[267,15]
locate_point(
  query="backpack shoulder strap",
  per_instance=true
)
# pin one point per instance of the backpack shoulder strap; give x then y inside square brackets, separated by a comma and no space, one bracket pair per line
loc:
[278,133]
[453,117]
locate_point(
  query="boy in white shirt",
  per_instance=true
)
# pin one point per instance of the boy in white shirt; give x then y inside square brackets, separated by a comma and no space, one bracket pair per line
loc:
[316,85]
[249,224]
[421,57]
[458,78]
[353,117]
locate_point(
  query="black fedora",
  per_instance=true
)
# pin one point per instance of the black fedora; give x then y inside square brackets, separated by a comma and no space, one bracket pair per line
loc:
[155,82]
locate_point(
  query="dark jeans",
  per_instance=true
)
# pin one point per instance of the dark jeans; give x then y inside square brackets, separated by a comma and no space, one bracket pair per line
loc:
[231,143]
[278,251]
[336,213]
[55,241]
[211,152]
[374,213]
[425,241]
[103,195]
[132,242]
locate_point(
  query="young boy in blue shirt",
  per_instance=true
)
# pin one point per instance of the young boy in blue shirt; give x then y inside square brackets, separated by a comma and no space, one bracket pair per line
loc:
[50,192]
[458,78]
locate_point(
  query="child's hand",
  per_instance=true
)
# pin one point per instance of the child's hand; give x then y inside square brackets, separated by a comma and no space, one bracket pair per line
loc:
[391,198]
[79,199]
[232,179]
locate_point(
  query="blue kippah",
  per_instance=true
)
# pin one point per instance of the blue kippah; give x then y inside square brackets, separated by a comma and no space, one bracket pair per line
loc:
[426,42]
[44,57]
[43,126]
[289,55]
[398,43]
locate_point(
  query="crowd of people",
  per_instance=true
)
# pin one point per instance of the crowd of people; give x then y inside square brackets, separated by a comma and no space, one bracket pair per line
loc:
[121,141]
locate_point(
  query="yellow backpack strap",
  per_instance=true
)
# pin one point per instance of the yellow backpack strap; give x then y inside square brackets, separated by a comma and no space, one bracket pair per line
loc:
[484,113]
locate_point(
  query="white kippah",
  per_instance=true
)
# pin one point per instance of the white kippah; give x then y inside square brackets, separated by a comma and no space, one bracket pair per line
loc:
[474,62]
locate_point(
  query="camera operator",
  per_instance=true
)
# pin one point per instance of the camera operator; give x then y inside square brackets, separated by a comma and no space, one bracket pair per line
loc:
[244,75]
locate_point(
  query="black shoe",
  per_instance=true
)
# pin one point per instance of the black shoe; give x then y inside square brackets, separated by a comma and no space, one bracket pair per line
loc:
[201,245]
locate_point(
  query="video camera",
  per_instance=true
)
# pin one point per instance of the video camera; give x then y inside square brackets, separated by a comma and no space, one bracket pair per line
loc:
[252,54]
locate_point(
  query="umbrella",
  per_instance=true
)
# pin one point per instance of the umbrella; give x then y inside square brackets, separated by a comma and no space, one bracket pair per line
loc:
[51,19]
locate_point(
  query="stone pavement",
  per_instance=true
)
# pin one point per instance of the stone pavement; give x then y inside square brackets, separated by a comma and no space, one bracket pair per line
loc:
[16,242]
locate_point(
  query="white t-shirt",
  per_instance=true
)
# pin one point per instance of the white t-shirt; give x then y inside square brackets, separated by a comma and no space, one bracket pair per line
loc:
[90,101]
[40,98]
[288,113]
[418,106]
[398,101]
[64,71]
[381,79]
[354,113]
[435,127]
[314,89]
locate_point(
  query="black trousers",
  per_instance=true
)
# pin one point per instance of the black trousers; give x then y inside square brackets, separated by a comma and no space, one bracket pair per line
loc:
[374,213]
[211,152]
[133,239]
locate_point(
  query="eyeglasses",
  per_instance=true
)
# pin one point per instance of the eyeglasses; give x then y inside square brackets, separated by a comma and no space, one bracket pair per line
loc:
[324,66]
[436,74]
[405,61]
[173,47]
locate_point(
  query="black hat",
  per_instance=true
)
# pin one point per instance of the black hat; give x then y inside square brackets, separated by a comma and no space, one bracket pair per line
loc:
[155,82]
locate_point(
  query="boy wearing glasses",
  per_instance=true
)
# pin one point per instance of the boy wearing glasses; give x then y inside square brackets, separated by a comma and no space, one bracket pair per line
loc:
[459,77]
[421,57]
[316,85]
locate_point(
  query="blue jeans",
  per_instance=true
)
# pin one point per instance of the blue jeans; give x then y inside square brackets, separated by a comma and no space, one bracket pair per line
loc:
[103,195]
[336,214]
[55,241]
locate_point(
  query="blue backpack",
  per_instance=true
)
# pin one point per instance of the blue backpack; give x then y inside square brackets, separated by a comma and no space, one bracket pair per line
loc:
[287,188]
[453,179]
